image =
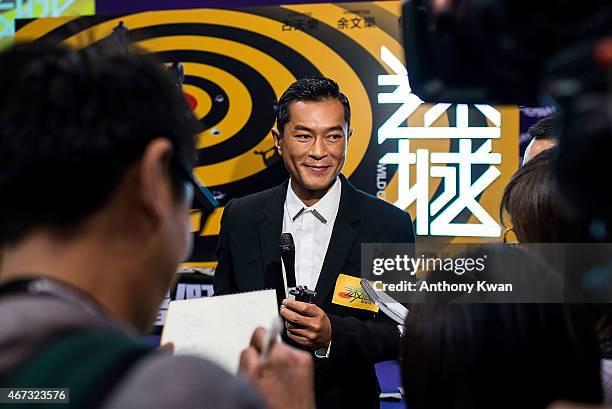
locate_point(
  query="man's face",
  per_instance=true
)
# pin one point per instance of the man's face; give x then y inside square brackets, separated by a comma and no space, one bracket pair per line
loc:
[313,143]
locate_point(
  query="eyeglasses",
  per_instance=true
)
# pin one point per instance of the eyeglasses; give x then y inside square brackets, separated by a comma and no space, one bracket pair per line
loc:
[203,200]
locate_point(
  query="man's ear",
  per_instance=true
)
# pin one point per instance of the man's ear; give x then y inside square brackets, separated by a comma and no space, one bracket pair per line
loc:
[156,193]
[277,137]
[350,133]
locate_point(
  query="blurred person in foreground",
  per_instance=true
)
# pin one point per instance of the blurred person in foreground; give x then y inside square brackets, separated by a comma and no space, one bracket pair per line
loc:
[477,356]
[96,149]
[534,204]
[508,355]
[543,136]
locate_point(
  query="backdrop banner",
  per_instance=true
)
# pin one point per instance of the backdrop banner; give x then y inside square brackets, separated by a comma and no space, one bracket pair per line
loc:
[445,164]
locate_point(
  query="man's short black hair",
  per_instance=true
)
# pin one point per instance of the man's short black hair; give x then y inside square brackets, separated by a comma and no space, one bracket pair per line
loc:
[544,129]
[310,89]
[72,122]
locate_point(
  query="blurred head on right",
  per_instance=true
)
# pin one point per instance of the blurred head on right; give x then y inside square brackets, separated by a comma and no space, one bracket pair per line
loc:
[544,136]
[506,356]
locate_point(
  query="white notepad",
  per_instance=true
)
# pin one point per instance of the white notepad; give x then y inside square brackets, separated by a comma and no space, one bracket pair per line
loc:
[220,327]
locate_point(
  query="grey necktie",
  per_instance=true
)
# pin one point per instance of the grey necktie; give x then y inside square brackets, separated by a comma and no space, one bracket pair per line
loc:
[314,212]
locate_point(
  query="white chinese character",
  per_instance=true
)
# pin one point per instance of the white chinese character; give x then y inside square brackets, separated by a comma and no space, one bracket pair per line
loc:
[447,206]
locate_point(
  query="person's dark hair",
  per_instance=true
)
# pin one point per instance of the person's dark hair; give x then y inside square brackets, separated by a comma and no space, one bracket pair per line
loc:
[544,129]
[72,123]
[532,200]
[482,356]
[310,89]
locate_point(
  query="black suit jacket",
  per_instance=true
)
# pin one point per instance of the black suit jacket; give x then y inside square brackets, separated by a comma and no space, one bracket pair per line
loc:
[249,259]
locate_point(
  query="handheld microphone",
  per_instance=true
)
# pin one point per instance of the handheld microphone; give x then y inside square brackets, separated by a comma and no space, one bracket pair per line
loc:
[288,256]
[299,293]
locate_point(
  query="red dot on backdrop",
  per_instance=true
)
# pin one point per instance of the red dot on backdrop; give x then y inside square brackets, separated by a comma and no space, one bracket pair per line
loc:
[191,101]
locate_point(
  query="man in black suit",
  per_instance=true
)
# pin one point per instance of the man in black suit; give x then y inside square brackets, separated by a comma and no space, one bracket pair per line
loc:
[329,219]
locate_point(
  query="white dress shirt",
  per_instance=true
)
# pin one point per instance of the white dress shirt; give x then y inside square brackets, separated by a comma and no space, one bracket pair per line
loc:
[311,228]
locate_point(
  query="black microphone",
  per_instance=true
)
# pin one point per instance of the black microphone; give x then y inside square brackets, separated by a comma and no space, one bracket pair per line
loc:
[288,256]
[299,293]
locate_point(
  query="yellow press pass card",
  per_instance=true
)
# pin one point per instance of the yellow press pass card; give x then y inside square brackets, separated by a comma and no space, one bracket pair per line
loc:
[349,293]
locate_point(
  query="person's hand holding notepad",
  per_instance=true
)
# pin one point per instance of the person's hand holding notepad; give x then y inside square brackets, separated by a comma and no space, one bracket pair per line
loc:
[228,330]
[218,328]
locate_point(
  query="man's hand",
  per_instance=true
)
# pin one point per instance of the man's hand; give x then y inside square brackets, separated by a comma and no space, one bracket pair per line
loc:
[307,324]
[285,379]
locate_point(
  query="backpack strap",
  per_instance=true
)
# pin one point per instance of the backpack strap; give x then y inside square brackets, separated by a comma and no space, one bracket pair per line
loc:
[89,363]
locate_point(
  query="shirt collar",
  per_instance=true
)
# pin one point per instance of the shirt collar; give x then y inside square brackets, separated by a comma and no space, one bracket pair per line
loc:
[326,207]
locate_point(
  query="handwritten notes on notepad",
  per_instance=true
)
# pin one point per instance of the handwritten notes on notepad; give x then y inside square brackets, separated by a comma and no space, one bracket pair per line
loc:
[220,327]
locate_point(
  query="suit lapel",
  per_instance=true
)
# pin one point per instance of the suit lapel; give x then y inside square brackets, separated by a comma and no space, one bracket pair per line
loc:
[341,241]
[269,235]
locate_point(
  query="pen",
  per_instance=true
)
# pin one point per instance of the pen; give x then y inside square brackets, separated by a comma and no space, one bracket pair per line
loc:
[271,338]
